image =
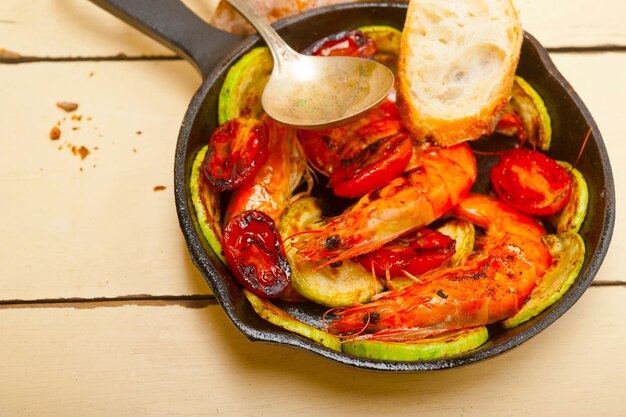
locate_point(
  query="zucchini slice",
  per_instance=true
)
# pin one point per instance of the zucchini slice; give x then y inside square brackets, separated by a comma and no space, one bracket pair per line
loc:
[464,234]
[206,202]
[243,86]
[278,317]
[435,347]
[568,253]
[333,286]
[528,105]
[571,217]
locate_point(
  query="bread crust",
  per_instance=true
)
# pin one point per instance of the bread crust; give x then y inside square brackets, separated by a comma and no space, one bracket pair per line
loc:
[477,122]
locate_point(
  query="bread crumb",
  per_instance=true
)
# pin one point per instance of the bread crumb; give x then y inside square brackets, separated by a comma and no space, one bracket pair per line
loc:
[159,188]
[55,133]
[139,132]
[77,118]
[82,151]
[68,106]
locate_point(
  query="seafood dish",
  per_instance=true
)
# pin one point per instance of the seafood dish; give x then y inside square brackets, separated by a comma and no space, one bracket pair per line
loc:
[382,228]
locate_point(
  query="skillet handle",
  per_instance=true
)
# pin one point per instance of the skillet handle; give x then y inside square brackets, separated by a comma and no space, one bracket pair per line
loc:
[171,23]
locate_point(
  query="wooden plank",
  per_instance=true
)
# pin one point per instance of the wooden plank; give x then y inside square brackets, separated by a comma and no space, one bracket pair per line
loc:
[74,28]
[93,226]
[96,227]
[574,23]
[175,361]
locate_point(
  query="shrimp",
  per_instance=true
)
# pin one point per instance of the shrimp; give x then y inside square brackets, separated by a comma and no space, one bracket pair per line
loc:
[271,189]
[490,285]
[325,149]
[435,181]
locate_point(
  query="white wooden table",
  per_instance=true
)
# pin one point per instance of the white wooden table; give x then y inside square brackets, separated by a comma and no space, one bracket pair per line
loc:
[102,312]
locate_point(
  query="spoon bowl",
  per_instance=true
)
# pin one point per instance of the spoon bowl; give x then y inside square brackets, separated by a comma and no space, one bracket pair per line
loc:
[324,92]
[314,92]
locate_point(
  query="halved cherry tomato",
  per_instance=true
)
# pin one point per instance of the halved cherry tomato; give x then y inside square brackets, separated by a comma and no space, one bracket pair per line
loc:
[373,167]
[237,149]
[531,182]
[348,43]
[255,254]
[416,253]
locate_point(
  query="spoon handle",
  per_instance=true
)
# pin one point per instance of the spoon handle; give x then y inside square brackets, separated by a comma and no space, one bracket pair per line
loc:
[281,51]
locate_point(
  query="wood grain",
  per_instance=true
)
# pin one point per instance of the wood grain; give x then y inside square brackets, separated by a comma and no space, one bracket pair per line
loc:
[77,28]
[93,226]
[176,361]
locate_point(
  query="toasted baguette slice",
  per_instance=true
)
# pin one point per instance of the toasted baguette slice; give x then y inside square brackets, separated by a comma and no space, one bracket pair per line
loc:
[457,66]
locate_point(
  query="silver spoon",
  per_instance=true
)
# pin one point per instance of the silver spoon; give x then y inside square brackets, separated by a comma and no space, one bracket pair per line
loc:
[312,92]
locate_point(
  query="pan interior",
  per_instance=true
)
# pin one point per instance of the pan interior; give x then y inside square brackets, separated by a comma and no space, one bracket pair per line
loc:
[571,122]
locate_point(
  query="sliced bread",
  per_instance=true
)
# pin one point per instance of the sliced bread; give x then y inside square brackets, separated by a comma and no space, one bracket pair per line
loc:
[457,66]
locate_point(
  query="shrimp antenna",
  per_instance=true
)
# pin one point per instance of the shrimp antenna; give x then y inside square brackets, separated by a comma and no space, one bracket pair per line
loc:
[303,232]
[582,148]
[350,336]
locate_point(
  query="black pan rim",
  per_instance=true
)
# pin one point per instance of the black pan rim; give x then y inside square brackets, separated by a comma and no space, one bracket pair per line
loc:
[212,275]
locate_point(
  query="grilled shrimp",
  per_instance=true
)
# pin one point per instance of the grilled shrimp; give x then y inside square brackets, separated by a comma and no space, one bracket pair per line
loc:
[491,285]
[434,182]
[271,189]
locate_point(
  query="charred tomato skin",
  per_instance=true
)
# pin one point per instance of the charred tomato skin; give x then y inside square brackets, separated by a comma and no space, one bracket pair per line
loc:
[531,182]
[348,43]
[415,253]
[373,167]
[236,151]
[255,253]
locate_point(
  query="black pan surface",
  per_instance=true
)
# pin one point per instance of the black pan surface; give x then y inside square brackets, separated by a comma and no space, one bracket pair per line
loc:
[212,52]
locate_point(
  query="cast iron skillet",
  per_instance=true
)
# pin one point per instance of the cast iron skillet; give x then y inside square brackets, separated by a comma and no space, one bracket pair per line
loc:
[212,52]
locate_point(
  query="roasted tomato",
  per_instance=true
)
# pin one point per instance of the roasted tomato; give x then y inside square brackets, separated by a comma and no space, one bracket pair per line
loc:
[255,254]
[531,182]
[373,167]
[415,253]
[236,151]
[349,43]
